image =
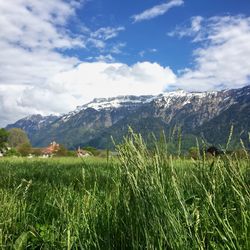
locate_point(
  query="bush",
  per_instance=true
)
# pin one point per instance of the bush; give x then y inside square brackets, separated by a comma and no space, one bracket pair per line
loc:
[72,153]
[62,151]
[36,151]
[92,150]
[24,149]
[194,153]
[12,152]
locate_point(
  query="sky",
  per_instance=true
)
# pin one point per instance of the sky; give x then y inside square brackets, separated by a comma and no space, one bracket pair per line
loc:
[58,54]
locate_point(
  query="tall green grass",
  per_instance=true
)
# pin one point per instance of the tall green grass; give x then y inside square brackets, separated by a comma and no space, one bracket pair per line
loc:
[144,200]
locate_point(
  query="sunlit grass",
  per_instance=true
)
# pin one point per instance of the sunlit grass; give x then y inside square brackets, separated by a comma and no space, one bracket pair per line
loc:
[145,200]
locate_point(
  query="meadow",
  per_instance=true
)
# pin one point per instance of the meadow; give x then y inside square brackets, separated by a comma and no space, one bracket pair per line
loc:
[143,199]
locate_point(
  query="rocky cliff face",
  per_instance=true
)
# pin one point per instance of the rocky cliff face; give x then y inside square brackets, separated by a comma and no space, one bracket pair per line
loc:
[94,123]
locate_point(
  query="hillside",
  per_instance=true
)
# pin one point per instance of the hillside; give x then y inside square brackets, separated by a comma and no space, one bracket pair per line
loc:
[207,115]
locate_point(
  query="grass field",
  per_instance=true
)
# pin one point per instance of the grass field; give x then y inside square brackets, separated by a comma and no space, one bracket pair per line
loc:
[143,200]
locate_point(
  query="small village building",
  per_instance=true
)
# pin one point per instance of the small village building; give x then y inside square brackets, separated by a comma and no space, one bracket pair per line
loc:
[51,149]
[82,153]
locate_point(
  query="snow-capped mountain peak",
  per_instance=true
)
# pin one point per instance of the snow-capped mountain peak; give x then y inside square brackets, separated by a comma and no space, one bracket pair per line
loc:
[98,104]
[93,123]
[130,101]
[116,102]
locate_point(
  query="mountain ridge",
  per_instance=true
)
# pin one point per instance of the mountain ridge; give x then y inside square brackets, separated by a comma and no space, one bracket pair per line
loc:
[94,122]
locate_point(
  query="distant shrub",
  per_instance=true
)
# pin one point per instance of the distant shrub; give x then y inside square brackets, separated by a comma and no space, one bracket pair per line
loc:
[36,151]
[12,152]
[62,151]
[24,149]
[71,153]
[193,152]
[92,150]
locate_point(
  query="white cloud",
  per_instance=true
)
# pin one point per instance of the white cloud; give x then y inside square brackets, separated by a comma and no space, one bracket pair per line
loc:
[33,39]
[31,34]
[143,52]
[96,43]
[196,25]
[153,50]
[98,39]
[26,67]
[36,24]
[157,10]
[105,58]
[68,89]
[100,79]
[222,58]
[106,33]
[117,48]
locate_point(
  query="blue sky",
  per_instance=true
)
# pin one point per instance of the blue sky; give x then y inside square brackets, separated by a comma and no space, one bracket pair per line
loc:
[149,35]
[58,54]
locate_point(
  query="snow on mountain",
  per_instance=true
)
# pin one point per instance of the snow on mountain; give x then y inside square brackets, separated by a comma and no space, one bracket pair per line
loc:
[191,110]
[134,101]
[181,98]
[117,102]
[110,103]
[173,99]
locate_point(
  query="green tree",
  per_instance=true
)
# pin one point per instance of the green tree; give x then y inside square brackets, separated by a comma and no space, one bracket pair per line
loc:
[17,137]
[12,152]
[62,151]
[24,149]
[3,138]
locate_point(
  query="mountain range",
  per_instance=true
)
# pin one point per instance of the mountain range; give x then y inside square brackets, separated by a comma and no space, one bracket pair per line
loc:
[203,115]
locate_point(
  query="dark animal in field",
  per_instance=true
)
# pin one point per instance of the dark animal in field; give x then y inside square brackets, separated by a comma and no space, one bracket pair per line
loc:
[213,151]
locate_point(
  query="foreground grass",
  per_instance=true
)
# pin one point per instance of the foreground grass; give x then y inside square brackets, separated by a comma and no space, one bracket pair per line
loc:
[147,200]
